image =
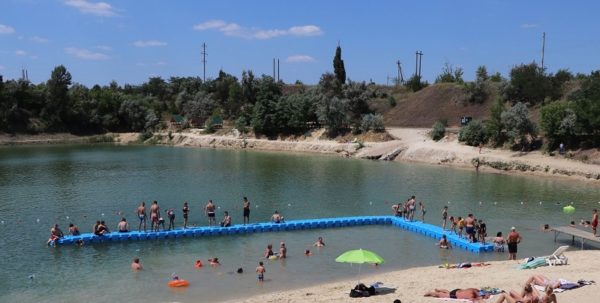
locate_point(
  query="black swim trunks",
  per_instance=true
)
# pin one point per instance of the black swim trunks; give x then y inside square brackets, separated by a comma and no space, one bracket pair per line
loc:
[246,212]
[453,294]
[512,247]
[211,214]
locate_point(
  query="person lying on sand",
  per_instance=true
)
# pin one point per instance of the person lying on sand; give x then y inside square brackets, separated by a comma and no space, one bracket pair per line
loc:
[544,281]
[528,295]
[472,294]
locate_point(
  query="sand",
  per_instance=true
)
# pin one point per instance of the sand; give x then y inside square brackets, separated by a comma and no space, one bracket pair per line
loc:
[411,284]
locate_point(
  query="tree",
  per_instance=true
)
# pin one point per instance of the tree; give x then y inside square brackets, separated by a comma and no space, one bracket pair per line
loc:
[338,66]
[473,134]
[200,108]
[519,129]
[528,84]
[481,74]
[265,116]
[357,96]
[558,120]
[450,74]
[415,83]
[331,112]
[494,124]
[587,108]
[57,100]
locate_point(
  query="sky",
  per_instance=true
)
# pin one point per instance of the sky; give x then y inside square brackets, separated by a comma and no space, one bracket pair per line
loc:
[129,41]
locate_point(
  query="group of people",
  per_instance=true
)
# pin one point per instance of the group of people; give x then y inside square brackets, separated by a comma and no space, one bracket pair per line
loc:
[529,294]
[408,208]
[474,230]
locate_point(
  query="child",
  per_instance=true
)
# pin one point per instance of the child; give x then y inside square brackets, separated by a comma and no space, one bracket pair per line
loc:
[461,226]
[161,221]
[171,216]
[260,269]
[452,224]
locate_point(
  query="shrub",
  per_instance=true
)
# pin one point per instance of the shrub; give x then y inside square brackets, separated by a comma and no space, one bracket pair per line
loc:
[372,122]
[415,83]
[473,134]
[450,74]
[392,101]
[519,129]
[240,124]
[438,131]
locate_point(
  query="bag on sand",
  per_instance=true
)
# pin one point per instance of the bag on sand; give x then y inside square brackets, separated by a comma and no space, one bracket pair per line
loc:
[361,290]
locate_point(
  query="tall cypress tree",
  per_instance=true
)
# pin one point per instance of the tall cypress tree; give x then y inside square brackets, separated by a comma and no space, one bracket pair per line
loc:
[338,66]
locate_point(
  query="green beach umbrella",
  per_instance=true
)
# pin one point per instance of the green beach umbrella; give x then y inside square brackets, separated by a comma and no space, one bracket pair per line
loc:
[359,256]
[569,210]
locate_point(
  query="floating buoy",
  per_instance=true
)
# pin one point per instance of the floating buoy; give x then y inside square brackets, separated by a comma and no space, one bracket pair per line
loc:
[495,203]
[102,214]
[38,220]
[540,202]
[521,202]
[2,222]
[370,203]
[67,217]
[31,277]
[178,283]
[480,203]
[289,204]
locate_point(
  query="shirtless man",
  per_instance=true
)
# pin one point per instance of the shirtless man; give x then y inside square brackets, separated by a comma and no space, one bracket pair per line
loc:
[470,227]
[55,234]
[444,243]
[74,230]
[123,226]
[209,209]
[412,206]
[154,214]
[141,213]
[319,242]
[246,207]
[260,270]
[282,251]
[595,221]
[512,241]
[226,222]
[444,217]
[276,217]
[135,265]
[466,294]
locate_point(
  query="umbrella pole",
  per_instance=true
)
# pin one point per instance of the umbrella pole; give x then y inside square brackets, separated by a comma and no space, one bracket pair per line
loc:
[359,265]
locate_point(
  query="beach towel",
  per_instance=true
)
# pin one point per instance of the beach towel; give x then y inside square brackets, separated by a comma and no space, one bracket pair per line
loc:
[567,285]
[535,263]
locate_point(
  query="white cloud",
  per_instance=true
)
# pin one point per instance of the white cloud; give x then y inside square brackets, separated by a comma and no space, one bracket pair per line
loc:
[300,58]
[38,39]
[529,25]
[104,47]
[85,54]
[20,53]
[235,30]
[149,43]
[101,9]
[5,29]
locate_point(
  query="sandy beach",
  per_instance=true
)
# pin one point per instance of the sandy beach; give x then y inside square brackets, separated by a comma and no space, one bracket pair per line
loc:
[411,284]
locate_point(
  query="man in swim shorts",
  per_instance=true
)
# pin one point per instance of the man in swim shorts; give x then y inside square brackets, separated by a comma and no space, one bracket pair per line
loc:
[246,207]
[141,213]
[135,265]
[209,209]
[154,215]
[260,269]
[276,217]
[470,227]
[472,294]
[513,239]
[123,226]
[226,222]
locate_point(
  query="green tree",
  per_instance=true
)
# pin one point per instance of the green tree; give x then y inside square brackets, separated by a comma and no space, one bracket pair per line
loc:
[338,66]
[450,74]
[494,125]
[481,75]
[528,84]
[331,112]
[414,83]
[265,118]
[587,108]
[519,129]
[473,134]
[57,100]
[558,120]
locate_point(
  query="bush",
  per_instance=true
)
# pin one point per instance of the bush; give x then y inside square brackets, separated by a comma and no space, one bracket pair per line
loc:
[415,83]
[450,74]
[528,84]
[473,134]
[392,101]
[372,122]
[519,129]
[438,131]
[240,124]
[476,92]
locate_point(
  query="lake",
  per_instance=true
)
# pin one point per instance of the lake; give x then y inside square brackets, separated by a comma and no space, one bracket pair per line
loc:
[40,186]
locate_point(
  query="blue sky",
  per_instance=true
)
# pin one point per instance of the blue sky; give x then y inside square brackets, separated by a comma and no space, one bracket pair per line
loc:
[129,41]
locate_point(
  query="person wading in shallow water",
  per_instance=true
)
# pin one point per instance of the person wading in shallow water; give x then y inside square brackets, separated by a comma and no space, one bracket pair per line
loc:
[513,239]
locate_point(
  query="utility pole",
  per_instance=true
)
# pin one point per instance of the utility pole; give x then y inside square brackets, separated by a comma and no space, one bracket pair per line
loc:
[400,79]
[204,61]
[416,63]
[274,69]
[277,69]
[543,48]
[420,53]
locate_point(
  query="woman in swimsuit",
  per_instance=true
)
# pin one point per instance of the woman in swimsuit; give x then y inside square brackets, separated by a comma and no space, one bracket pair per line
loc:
[528,295]
[548,296]
[499,242]
[472,294]
[543,281]
[269,251]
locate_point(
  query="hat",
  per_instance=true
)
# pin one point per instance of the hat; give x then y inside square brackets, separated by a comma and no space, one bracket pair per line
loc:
[513,228]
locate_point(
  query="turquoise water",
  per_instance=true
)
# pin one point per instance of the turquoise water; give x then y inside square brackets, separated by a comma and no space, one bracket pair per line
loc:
[43,185]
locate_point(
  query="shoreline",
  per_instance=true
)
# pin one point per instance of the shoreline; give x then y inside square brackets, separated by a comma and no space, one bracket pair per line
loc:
[411,284]
[410,145]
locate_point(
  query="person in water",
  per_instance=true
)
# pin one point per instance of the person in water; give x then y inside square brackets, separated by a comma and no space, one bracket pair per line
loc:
[444,243]
[246,207]
[123,226]
[214,261]
[423,211]
[209,210]
[319,242]
[74,230]
[186,212]
[282,251]
[472,294]
[102,229]
[226,222]
[55,234]
[276,217]
[307,253]
[141,213]
[260,270]
[136,265]
[499,242]
[269,251]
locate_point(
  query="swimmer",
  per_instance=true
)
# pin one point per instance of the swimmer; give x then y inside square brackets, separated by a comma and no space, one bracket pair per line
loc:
[308,253]
[141,213]
[276,217]
[269,251]
[135,265]
[260,269]
[123,226]
[282,251]
[319,242]
[198,264]
[74,230]
[214,261]
[444,243]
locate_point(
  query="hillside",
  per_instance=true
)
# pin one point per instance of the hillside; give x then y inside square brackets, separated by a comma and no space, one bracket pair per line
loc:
[435,102]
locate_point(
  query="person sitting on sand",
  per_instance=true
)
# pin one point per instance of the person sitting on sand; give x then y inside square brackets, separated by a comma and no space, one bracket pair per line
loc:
[269,251]
[528,295]
[276,217]
[319,242]
[472,294]
[135,265]
[74,230]
[444,243]
[499,242]
[214,261]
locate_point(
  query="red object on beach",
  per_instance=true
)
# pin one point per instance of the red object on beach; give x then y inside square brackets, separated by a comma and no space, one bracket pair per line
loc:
[178,283]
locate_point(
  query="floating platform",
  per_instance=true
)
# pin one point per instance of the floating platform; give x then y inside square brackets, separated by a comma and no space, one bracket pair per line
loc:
[199,232]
